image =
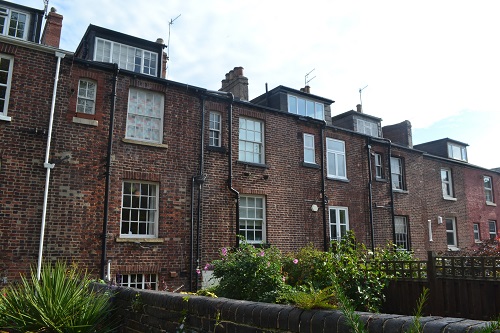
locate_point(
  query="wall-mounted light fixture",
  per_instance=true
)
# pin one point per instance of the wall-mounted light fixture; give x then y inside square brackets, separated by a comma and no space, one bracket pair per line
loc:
[440,220]
[314,208]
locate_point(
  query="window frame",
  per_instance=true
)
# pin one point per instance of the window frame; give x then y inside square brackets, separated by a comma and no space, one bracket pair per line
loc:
[477,232]
[215,129]
[452,150]
[338,223]
[86,98]
[318,109]
[453,232]
[332,153]
[447,185]
[147,210]
[7,85]
[123,60]
[137,114]
[492,233]
[402,221]
[145,277]
[252,218]
[362,125]
[309,148]
[7,14]
[245,141]
[399,176]
[488,191]
[379,165]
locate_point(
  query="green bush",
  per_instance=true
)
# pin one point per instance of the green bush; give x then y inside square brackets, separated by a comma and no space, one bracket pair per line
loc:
[359,274]
[249,273]
[309,267]
[62,301]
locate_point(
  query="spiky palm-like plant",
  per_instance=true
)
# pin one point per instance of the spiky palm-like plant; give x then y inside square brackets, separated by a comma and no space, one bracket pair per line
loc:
[62,301]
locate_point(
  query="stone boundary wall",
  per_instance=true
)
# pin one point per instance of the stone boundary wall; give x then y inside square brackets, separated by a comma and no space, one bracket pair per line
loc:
[154,311]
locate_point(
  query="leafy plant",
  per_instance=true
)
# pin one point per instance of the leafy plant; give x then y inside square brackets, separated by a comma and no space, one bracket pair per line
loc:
[349,311]
[309,267]
[491,327]
[416,326]
[249,273]
[360,276]
[310,298]
[62,301]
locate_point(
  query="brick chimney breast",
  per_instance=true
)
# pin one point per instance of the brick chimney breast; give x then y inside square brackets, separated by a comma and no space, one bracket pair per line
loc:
[52,31]
[236,83]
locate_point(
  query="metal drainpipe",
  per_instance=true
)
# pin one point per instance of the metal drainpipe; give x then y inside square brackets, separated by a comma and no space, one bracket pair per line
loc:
[200,179]
[326,242]
[230,165]
[389,152]
[191,256]
[370,192]
[48,165]
[108,177]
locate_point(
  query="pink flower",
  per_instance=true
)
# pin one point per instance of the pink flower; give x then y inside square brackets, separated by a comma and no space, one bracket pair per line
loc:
[262,253]
[207,266]
[198,271]
[224,251]
[284,279]
[295,261]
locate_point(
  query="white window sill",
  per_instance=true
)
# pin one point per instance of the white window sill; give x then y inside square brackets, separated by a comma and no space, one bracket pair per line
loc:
[453,248]
[138,240]
[340,179]
[85,121]
[5,118]
[489,203]
[396,190]
[450,198]
[144,143]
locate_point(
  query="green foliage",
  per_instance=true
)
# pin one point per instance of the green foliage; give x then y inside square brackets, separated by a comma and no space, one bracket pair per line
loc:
[310,298]
[349,311]
[416,326]
[62,301]
[309,267]
[491,327]
[361,277]
[249,273]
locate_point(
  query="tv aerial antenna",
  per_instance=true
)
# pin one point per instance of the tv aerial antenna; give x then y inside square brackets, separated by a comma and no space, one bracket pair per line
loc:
[360,91]
[168,41]
[45,7]
[306,81]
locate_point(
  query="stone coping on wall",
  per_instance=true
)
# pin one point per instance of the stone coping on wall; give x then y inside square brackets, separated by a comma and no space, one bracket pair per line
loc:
[155,311]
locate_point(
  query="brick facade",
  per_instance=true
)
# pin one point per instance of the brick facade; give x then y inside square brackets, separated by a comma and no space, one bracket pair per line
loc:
[197,208]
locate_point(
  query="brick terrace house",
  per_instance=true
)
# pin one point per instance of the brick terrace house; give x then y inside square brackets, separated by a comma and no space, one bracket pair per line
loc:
[107,164]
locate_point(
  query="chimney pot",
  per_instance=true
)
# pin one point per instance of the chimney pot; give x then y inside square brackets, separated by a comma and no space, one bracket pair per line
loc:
[160,41]
[359,108]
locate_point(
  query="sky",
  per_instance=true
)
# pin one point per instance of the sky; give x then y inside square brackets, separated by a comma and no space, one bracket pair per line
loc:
[435,63]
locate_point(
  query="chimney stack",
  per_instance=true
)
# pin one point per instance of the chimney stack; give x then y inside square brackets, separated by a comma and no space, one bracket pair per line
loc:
[164,59]
[359,108]
[52,31]
[236,83]
[306,89]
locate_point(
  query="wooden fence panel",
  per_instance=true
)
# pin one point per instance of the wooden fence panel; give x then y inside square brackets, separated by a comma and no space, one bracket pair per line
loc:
[467,287]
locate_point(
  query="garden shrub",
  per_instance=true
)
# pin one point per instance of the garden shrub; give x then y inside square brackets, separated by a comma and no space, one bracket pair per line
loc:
[309,267]
[249,273]
[61,301]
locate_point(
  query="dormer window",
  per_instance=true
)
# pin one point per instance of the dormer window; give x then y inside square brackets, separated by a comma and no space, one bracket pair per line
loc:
[127,57]
[13,23]
[457,152]
[305,107]
[367,127]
